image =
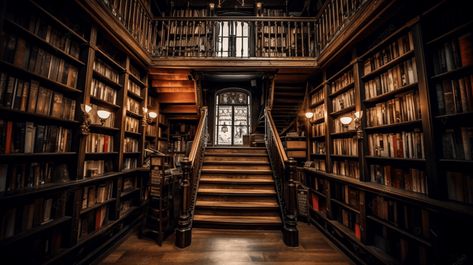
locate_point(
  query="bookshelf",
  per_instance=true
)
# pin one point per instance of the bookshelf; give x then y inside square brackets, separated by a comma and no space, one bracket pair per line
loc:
[67,193]
[180,133]
[318,129]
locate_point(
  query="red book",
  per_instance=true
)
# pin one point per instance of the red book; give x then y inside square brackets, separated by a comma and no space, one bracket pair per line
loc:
[315,203]
[8,138]
[466,49]
[357,231]
[105,143]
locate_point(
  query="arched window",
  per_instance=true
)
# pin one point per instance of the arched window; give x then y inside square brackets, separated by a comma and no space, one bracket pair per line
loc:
[232,116]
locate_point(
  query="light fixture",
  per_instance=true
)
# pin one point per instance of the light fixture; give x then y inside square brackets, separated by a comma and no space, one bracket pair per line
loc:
[357,117]
[346,120]
[259,5]
[84,127]
[103,115]
[309,114]
[152,114]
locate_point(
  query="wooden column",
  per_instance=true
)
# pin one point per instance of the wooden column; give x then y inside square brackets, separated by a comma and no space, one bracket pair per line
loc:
[184,229]
[290,232]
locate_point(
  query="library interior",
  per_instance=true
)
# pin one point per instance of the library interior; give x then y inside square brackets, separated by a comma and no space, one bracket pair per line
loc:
[236,132]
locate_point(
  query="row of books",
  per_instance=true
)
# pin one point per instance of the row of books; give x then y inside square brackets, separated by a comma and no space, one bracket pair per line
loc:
[319,147]
[18,52]
[95,119]
[134,87]
[345,146]
[348,219]
[403,108]
[347,168]
[130,163]
[319,112]
[151,130]
[400,145]
[271,12]
[339,127]
[15,220]
[320,165]
[318,129]
[93,221]
[319,184]
[394,78]
[457,143]
[178,144]
[347,195]
[395,49]
[137,74]
[96,194]
[403,216]
[318,204]
[190,29]
[126,206]
[94,168]
[131,144]
[133,106]
[342,81]
[103,92]
[104,69]
[132,124]
[188,13]
[317,97]
[99,143]
[344,100]
[460,186]
[44,30]
[410,179]
[29,96]
[31,175]
[453,54]
[273,42]
[28,137]
[128,183]
[455,95]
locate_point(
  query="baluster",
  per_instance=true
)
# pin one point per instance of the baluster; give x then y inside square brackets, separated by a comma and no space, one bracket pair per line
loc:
[242,23]
[168,32]
[263,29]
[196,38]
[296,39]
[290,233]
[309,44]
[183,230]
[290,37]
[302,39]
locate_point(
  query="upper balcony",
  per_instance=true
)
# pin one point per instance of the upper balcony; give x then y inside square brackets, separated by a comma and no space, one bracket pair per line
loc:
[232,41]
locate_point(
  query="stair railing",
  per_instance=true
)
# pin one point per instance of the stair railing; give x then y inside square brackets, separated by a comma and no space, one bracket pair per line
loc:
[284,171]
[191,166]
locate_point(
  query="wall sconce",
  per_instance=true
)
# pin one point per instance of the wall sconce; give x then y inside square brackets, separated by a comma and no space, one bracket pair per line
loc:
[103,115]
[148,116]
[84,128]
[309,114]
[357,117]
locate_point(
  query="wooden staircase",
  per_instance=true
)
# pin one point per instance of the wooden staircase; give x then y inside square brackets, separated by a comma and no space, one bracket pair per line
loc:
[236,190]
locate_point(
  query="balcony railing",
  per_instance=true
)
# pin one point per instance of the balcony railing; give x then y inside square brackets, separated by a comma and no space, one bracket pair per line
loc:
[234,37]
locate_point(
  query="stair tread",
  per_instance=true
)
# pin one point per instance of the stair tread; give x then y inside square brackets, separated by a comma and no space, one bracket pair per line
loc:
[235,162]
[243,170]
[236,180]
[238,219]
[237,191]
[236,154]
[237,204]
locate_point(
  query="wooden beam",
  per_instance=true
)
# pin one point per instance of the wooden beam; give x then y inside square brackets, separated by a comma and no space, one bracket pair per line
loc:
[176,77]
[174,83]
[237,63]
[167,71]
[173,90]
[179,109]
[166,98]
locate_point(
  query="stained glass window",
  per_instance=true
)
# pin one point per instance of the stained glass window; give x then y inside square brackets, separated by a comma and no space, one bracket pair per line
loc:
[232,117]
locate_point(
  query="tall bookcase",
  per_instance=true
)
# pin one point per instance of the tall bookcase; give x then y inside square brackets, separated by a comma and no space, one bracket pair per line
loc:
[396,190]
[67,190]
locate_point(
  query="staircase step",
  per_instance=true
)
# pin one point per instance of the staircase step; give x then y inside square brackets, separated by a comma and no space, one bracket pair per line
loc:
[221,154]
[238,150]
[237,222]
[237,192]
[238,204]
[237,181]
[239,167]
[251,159]
[241,175]
[236,171]
[236,162]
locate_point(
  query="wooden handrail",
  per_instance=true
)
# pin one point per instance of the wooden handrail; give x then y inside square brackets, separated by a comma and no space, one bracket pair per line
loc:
[275,135]
[198,135]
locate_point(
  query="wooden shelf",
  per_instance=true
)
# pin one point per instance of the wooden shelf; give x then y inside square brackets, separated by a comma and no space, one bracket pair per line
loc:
[97,205]
[318,193]
[33,192]
[340,72]
[99,127]
[386,66]
[319,120]
[342,134]
[134,95]
[449,34]
[101,154]
[343,156]
[134,115]
[395,126]
[453,73]
[390,94]
[346,206]
[321,137]
[341,90]
[398,159]
[318,155]
[128,192]
[103,103]
[5,112]
[343,111]
[133,134]
[456,162]
[107,80]
[35,155]
[131,153]
[316,104]
[109,60]
[137,80]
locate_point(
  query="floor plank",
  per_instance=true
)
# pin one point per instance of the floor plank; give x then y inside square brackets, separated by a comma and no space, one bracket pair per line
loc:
[232,247]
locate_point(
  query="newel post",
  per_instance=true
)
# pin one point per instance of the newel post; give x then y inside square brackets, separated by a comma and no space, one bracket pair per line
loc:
[290,232]
[184,230]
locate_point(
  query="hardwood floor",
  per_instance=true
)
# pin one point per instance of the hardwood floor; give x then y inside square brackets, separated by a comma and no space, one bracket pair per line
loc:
[234,247]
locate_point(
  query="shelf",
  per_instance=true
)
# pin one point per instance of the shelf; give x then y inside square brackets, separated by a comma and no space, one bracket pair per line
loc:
[390,94]
[163,139]
[320,137]
[33,231]
[162,125]
[48,46]
[35,155]
[134,95]
[45,188]
[99,127]
[135,134]
[101,154]
[316,104]
[343,156]
[453,73]
[128,192]
[151,137]
[98,101]
[395,126]
[109,175]
[97,205]
[455,116]
[131,153]
[11,113]
[319,120]
[400,231]
[341,90]
[134,115]
[457,162]
[318,155]
[317,88]
[341,134]
[340,72]
[107,80]
[398,159]
[318,193]
[449,34]
[343,111]
[27,75]
[137,80]
[107,58]
[386,66]
[346,206]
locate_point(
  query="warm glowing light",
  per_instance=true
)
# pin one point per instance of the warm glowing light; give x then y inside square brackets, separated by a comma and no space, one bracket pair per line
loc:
[145,109]
[309,114]
[346,120]
[86,108]
[152,114]
[103,114]
[212,6]
[259,5]
[358,114]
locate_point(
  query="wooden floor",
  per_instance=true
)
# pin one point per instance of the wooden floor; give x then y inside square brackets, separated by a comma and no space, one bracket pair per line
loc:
[234,247]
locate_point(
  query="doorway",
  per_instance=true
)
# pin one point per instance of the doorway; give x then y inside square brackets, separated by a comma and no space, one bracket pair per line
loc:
[232,116]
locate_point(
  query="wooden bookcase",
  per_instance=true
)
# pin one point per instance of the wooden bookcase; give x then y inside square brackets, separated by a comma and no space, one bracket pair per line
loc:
[65,195]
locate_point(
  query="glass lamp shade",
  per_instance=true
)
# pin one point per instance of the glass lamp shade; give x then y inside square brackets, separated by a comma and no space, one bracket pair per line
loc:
[103,114]
[346,120]
[86,108]
[309,114]
[152,114]
[358,114]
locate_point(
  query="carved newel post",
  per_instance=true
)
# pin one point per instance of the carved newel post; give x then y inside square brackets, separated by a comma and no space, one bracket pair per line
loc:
[183,230]
[290,232]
